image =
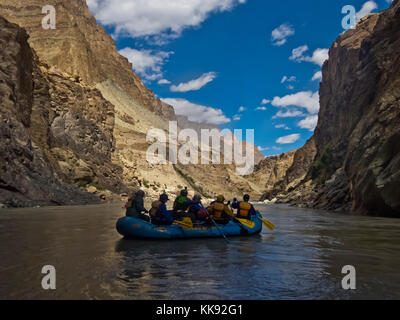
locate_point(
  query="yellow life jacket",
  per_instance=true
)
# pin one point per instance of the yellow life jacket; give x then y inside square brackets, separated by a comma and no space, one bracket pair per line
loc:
[244,208]
[218,210]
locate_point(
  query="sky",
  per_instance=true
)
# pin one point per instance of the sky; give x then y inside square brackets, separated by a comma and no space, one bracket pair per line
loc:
[238,64]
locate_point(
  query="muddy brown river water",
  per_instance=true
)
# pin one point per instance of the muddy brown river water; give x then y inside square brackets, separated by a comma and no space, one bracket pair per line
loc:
[301,259]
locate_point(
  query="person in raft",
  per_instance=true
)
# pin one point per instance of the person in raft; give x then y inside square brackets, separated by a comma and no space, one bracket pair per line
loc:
[159,214]
[181,205]
[135,206]
[219,211]
[196,209]
[244,209]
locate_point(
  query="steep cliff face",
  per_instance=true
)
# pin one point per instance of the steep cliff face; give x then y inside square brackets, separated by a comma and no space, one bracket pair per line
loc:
[269,172]
[357,166]
[79,46]
[38,118]
[293,172]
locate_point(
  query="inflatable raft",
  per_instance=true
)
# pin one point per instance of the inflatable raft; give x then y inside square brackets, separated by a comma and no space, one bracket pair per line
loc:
[136,228]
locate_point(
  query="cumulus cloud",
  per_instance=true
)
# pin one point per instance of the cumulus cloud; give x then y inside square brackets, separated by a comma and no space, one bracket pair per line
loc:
[318,57]
[288,79]
[279,35]
[164,81]
[146,63]
[309,123]
[265,101]
[241,109]
[366,9]
[160,18]
[261,108]
[291,113]
[282,126]
[303,99]
[237,117]
[195,84]
[288,139]
[196,112]
[317,76]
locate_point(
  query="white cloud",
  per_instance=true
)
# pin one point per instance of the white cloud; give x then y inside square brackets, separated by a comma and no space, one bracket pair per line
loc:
[279,35]
[161,18]
[164,81]
[288,79]
[366,9]
[265,101]
[318,57]
[237,117]
[288,139]
[241,109]
[303,99]
[196,112]
[263,148]
[146,63]
[261,108]
[282,126]
[317,76]
[288,114]
[309,123]
[195,84]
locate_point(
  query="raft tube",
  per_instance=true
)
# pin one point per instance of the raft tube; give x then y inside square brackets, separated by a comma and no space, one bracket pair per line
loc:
[136,228]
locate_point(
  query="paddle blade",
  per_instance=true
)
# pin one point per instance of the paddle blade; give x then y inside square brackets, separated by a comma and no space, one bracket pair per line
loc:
[247,223]
[268,224]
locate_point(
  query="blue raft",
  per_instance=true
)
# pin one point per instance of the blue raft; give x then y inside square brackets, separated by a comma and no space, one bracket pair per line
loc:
[136,228]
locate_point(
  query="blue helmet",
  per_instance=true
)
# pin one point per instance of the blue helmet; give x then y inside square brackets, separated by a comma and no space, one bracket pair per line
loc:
[164,198]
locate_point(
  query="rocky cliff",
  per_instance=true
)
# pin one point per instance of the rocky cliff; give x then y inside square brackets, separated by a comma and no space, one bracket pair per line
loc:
[43,129]
[357,165]
[79,46]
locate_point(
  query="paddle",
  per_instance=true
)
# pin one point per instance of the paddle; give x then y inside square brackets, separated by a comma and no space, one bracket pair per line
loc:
[220,231]
[266,223]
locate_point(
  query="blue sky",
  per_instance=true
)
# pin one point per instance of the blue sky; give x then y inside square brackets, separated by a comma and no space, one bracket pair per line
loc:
[208,58]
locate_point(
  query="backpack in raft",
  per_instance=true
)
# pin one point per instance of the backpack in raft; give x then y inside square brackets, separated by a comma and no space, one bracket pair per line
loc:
[154,208]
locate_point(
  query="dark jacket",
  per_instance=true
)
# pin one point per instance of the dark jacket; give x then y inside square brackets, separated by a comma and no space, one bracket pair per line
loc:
[137,208]
[163,216]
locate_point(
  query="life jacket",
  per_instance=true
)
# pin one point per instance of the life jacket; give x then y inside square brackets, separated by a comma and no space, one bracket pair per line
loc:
[244,208]
[182,204]
[218,209]
[155,206]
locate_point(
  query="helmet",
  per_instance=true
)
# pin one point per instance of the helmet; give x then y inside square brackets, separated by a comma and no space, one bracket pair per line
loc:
[164,198]
[184,192]
[246,197]
[197,197]
[220,198]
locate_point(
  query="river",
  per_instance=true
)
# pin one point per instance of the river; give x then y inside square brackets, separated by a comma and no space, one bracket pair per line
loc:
[301,259]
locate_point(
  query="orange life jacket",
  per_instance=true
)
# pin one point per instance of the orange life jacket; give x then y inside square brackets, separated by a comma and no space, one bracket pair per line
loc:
[244,208]
[218,209]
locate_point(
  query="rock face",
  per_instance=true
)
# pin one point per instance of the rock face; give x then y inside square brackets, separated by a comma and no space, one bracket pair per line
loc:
[79,46]
[269,172]
[32,171]
[291,172]
[357,166]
